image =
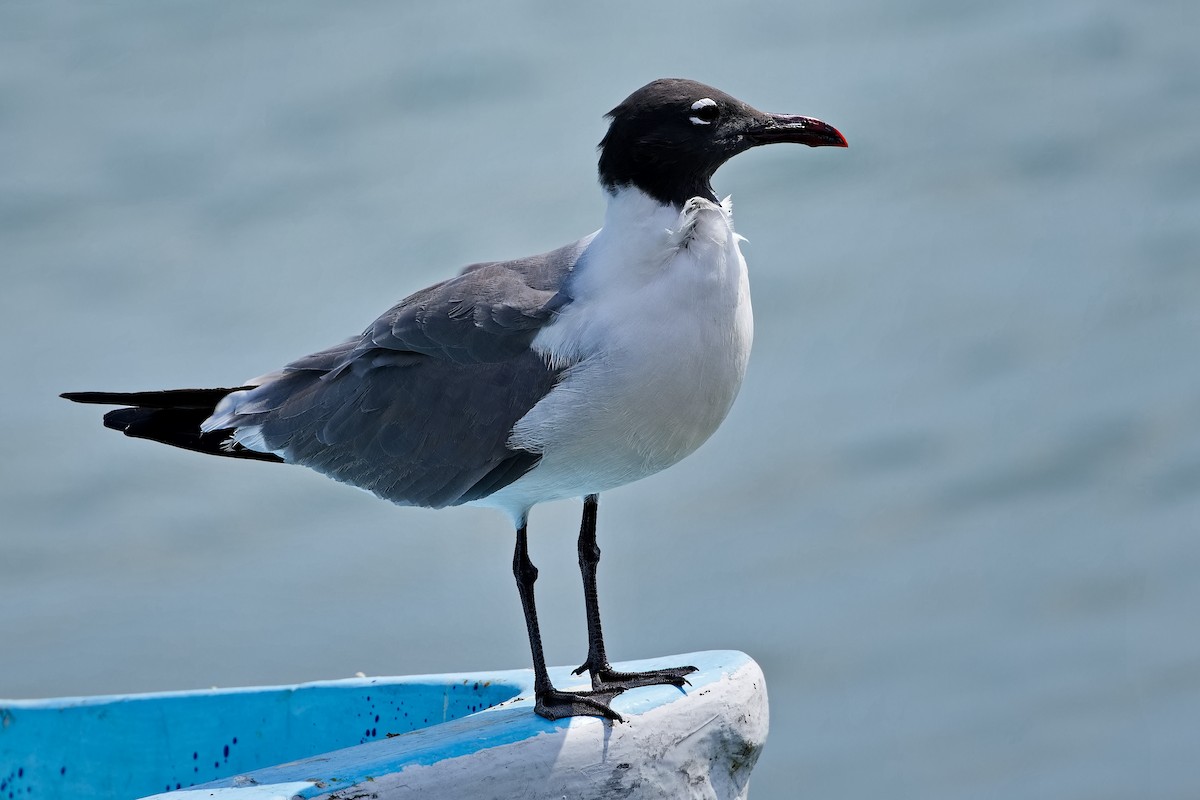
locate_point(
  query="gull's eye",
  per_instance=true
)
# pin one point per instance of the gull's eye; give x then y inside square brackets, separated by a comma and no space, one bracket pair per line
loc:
[704,112]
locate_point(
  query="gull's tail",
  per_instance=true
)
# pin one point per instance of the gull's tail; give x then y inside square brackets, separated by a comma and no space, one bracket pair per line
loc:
[172,417]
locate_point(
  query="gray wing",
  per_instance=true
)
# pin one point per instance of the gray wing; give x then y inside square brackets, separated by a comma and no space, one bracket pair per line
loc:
[418,409]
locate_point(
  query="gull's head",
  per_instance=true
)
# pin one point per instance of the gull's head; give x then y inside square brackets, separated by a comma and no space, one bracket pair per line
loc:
[671,135]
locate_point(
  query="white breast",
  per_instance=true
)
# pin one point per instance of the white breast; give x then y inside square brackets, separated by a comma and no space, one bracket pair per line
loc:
[655,345]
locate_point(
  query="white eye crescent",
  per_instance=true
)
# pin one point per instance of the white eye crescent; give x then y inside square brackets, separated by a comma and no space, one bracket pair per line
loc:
[705,112]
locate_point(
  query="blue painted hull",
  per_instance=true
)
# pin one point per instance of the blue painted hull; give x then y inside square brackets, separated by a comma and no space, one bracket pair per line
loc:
[310,740]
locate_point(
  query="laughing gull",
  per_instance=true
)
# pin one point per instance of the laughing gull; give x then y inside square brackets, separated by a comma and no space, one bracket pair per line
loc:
[557,375]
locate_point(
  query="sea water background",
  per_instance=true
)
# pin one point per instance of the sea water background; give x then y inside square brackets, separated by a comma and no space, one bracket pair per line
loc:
[955,513]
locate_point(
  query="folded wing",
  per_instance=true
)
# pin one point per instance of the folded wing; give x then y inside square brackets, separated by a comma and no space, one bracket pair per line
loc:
[418,409]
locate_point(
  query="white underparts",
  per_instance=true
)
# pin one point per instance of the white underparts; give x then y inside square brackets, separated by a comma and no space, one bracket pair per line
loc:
[654,344]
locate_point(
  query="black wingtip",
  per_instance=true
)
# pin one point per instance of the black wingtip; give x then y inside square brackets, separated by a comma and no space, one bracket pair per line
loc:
[121,419]
[172,417]
[83,397]
[171,398]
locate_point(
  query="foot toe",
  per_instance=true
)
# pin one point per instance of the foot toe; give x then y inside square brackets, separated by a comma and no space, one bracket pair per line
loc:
[557,704]
[612,679]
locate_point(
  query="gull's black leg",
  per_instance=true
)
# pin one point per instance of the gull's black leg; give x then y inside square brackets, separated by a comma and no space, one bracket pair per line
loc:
[603,675]
[550,702]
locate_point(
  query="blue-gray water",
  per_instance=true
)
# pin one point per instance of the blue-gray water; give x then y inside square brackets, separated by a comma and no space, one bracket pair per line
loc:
[955,513]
